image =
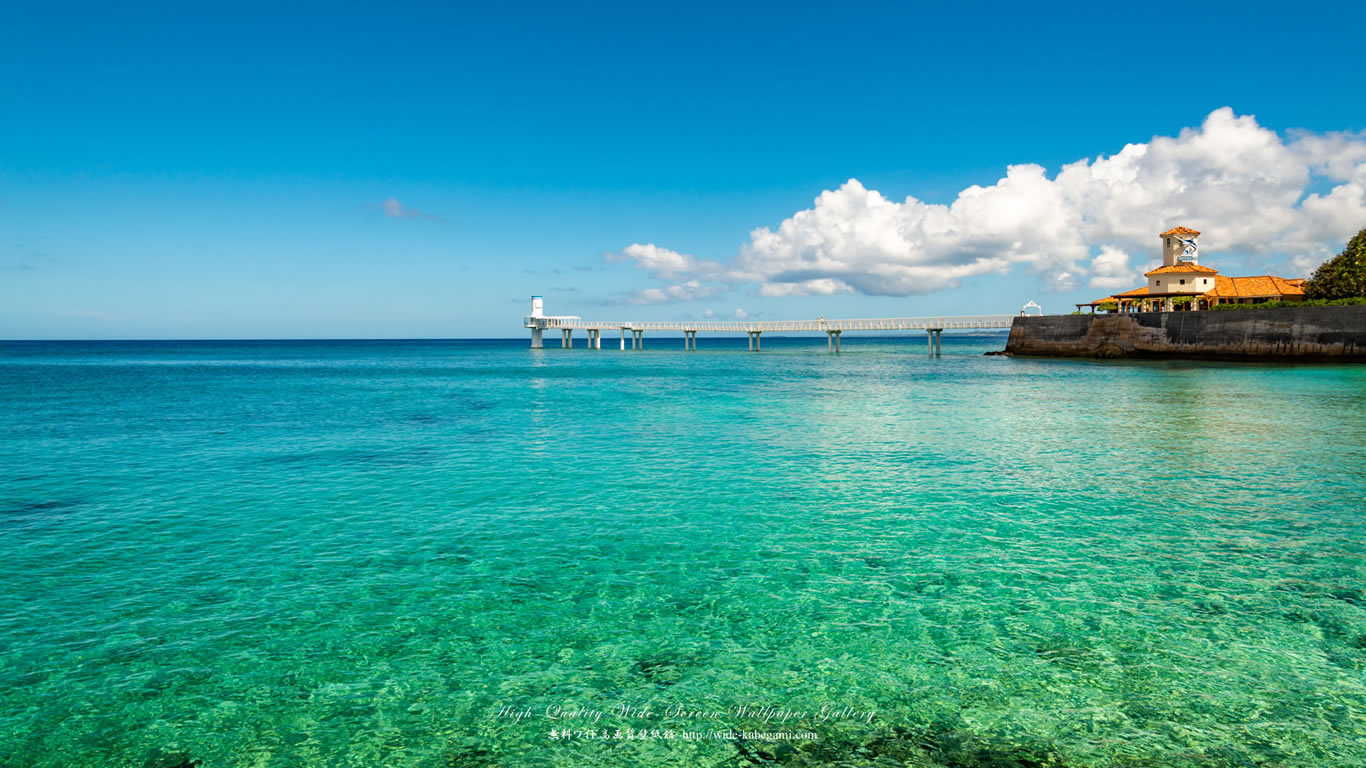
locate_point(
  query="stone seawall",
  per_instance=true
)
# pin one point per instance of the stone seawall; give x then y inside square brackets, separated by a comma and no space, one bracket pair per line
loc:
[1298,333]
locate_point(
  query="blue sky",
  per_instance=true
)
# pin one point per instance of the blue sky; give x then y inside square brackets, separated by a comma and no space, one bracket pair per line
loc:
[187,171]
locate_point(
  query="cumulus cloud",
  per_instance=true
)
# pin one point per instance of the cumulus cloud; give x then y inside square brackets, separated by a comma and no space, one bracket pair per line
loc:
[395,210]
[1335,155]
[661,261]
[1243,185]
[820,286]
[854,239]
[666,264]
[740,314]
[1110,270]
[689,290]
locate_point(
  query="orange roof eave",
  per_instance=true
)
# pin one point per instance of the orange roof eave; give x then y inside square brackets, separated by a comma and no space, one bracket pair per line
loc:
[1178,268]
[1179,231]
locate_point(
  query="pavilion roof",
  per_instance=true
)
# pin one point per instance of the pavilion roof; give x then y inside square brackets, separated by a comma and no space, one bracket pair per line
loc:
[1255,287]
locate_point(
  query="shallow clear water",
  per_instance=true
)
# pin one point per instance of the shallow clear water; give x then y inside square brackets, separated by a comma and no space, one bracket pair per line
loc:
[354,554]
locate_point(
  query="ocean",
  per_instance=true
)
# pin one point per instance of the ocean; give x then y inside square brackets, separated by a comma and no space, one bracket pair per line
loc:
[471,553]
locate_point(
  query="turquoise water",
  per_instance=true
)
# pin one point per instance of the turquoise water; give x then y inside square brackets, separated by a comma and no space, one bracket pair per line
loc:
[356,554]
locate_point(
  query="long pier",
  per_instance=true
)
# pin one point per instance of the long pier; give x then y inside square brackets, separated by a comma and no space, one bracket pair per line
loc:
[567,324]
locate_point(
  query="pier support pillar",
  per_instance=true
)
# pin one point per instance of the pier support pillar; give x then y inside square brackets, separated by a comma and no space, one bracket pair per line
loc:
[934,341]
[837,340]
[536,338]
[564,339]
[623,339]
[754,340]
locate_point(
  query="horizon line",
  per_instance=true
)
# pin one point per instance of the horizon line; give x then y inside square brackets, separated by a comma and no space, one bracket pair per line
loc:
[788,334]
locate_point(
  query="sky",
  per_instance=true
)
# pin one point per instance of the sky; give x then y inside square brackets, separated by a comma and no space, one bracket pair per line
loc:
[419,170]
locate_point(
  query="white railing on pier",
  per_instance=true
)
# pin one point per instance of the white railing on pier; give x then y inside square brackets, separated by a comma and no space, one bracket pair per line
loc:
[752,326]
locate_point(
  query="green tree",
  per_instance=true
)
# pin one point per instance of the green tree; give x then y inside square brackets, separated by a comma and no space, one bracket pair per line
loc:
[1343,276]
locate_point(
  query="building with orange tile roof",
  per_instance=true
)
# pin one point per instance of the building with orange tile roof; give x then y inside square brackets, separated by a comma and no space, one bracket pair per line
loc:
[1183,284]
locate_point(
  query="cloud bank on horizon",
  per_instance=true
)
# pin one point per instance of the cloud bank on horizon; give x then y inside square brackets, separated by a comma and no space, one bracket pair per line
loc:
[1241,184]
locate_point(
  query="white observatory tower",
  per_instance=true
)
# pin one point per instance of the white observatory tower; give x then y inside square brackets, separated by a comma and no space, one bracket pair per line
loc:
[537,314]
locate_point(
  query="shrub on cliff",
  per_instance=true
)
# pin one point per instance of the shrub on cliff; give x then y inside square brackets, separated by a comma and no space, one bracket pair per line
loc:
[1343,276]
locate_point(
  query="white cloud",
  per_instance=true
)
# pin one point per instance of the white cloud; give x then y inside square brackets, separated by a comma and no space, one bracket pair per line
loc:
[395,210]
[689,290]
[1110,270]
[1241,184]
[1060,281]
[1339,211]
[740,314]
[821,286]
[1232,179]
[664,263]
[1336,155]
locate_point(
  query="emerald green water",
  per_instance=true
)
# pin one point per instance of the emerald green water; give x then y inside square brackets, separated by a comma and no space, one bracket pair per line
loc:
[354,554]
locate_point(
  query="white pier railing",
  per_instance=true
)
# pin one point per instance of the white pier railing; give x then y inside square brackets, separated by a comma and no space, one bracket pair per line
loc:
[759,326]
[566,325]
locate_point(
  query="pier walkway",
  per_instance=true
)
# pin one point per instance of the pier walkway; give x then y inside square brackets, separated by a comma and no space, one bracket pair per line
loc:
[566,325]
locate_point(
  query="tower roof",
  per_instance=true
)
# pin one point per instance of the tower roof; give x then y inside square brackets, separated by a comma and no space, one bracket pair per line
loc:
[1179,231]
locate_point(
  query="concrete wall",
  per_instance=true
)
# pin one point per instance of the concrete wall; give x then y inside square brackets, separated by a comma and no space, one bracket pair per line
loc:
[1296,333]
